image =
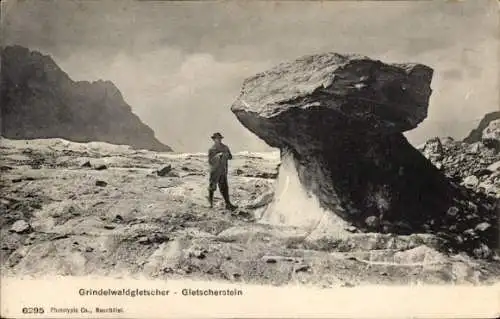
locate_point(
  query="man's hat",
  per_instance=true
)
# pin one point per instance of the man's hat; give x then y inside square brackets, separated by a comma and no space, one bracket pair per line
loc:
[217,135]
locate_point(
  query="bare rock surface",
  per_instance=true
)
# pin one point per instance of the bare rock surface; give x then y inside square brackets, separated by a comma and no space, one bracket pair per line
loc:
[142,224]
[340,119]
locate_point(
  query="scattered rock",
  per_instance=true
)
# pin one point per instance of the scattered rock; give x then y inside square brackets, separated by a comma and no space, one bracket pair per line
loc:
[267,175]
[101,183]
[86,164]
[302,268]
[471,181]
[470,232]
[164,171]
[168,270]
[117,219]
[197,252]
[347,144]
[483,226]
[5,202]
[477,134]
[275,259]
[433,149]
[470,216]
[483,252]
[351,229]
[235,276]
[261,201]
[158,238]
[481,172]
[372,222]
[420,254]
[492,131]
[402,227]
[20,227]
[452,211]
[95,111]
[269,259]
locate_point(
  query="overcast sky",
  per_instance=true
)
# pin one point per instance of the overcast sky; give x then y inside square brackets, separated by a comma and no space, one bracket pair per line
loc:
[180,65]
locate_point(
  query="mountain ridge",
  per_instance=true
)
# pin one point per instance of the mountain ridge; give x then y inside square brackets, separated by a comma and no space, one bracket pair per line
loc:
[475,135]
[40,100]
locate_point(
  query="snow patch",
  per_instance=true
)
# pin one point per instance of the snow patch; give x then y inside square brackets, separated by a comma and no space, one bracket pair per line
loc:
[294,206]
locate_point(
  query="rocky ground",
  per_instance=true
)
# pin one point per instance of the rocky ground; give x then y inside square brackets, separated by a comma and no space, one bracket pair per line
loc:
[475,167]
[78,209]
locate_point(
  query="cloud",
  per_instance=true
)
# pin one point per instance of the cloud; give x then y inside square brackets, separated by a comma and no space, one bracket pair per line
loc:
[452,74]
[456,106]
[185,98]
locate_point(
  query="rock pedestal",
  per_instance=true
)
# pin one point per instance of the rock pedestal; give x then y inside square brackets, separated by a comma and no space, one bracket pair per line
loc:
[342,118]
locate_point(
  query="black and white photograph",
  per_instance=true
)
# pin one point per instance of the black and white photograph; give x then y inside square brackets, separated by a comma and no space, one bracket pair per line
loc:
[319,144]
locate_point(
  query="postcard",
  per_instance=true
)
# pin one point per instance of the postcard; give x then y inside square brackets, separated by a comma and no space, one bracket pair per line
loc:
[250,159]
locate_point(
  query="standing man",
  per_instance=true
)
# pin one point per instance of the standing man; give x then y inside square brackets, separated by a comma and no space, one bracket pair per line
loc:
[218,155]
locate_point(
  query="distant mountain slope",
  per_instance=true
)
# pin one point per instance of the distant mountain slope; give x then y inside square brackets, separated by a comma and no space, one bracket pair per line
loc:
[476,134]
[39,100]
